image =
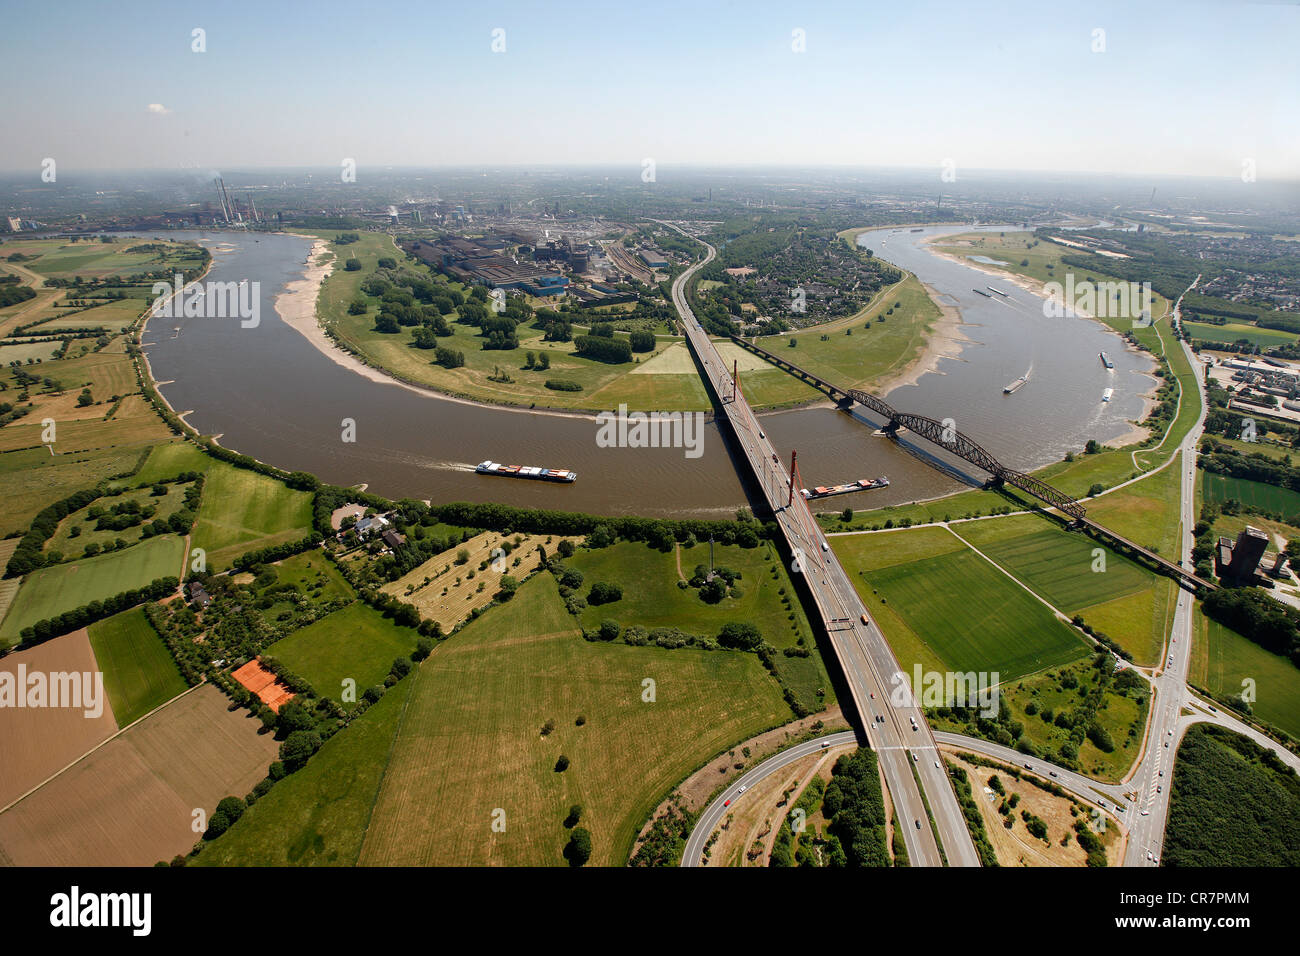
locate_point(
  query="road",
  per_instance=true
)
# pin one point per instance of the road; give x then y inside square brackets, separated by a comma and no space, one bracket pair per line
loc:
[712,816]
[895,725]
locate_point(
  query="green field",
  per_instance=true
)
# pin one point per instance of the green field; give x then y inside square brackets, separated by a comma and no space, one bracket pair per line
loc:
[357,642]
[1224,660]
[1233,331]
[651,598]
[1056,564]
[318,816]
[241,510]
[51,591]
[420,781]
[956,610]
[1254,494]
[139,673]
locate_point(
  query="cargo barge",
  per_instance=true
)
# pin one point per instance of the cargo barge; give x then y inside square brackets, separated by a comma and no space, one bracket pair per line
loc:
[1105,360]
[1017,384]
[525,471]
[983,293]
[863,484]
[998,291]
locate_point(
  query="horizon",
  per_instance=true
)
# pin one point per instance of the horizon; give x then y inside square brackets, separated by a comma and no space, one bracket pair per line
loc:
[992,88]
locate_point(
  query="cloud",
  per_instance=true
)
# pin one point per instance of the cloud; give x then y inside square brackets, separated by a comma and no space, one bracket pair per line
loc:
[159,109]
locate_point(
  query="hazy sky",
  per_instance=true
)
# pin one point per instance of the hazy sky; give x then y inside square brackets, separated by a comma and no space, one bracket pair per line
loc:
[1181,87]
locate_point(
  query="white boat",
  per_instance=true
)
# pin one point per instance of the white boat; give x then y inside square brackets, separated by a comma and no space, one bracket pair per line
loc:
[1105,396]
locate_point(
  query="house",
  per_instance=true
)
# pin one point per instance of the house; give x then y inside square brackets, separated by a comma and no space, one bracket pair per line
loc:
[368,526]
[392,538]
[199,597]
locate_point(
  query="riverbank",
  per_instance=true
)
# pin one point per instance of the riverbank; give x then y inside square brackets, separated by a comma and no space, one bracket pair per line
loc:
[946,341]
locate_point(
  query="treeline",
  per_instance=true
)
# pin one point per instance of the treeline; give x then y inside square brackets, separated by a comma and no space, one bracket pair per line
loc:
[29,556]
[88,614]
[611,350]
[658,532]
[971,811]
[1233,803]
[1250,612]
[1220,459]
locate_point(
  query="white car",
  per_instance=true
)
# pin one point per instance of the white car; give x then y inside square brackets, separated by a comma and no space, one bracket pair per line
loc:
[936,765]
[1146,813]
[741,790]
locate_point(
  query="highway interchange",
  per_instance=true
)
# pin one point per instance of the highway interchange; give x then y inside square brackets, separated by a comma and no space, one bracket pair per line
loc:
[906,747]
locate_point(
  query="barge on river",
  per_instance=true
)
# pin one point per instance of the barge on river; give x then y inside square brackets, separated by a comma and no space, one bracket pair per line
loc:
[525,471]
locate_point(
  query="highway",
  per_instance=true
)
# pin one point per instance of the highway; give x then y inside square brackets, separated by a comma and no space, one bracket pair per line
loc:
[712,816]
[897,732]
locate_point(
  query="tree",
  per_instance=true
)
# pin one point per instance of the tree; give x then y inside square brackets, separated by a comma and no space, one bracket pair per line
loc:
[85,398]
[565,548]
[602,592]
[609,630]
[294,716]
[578,849]
[562,764]
[352,265]
[1092,447]
[740,635]
[543,361]
[298,747]
[575,814]
[358,307]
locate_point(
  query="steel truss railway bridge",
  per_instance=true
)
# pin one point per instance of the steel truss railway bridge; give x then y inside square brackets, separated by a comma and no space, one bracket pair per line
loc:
[946,436]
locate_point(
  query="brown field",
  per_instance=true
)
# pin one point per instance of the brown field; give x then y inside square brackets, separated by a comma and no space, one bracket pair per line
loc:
[757,818]
[464,596]
[1017,846]
[130,803]
[37,743]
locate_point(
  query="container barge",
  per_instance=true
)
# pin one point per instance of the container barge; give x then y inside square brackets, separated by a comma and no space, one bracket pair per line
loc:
[1014,386]
[983,293]
[525,471]
[863,484]
[998,291]
[1105,360]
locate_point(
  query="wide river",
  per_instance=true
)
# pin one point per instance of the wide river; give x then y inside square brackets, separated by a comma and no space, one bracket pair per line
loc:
[267,392]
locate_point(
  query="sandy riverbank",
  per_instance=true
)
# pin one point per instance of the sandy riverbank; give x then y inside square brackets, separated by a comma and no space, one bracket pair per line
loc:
[1036,287]
[946,340]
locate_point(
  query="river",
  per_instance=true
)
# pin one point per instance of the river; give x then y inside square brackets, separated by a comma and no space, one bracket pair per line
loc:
[267,392]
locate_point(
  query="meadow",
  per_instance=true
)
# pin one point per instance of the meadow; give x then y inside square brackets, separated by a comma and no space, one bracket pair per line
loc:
[1253,494]
[955,610]
[63,587]
[420,777]
[356,643]
[139,673]
[241,510]
[1224,660]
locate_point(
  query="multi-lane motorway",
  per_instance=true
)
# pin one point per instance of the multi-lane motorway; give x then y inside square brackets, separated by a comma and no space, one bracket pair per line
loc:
[895,725]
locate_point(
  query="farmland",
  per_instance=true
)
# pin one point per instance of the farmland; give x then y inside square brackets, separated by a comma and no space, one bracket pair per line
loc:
[462,736]
[63,587]
[1227,664]
[948,609]
[139,673]
[35,743]
[1254,494]
[131,802]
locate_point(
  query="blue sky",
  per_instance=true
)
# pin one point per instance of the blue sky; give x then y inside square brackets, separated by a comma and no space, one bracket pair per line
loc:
[1182,87]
